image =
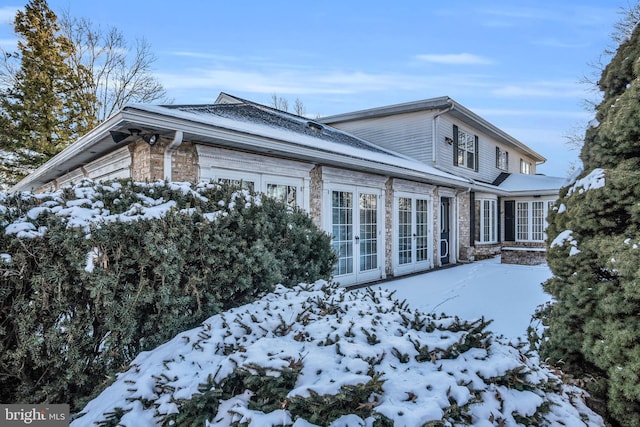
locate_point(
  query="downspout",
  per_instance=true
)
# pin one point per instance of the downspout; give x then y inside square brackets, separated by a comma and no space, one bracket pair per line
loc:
[434,134]
[168,153]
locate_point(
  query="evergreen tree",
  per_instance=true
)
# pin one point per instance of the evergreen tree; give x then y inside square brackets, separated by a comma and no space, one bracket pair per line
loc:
[594,251]
[45,108]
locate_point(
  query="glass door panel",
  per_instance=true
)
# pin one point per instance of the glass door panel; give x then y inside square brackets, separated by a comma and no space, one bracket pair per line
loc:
[368,232]
[342,230]
[422,230]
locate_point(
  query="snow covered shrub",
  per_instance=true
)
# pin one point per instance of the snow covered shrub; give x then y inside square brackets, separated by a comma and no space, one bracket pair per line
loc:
[319,355]
[594,325]
[95,273]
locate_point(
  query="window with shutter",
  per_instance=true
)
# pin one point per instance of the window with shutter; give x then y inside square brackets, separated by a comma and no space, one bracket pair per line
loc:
[465,149]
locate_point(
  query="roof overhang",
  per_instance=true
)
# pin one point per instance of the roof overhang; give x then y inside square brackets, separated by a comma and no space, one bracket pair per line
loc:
[165,122]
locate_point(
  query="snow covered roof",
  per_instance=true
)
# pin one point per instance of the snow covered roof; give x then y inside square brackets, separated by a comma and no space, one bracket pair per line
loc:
[532,184]
[240,124]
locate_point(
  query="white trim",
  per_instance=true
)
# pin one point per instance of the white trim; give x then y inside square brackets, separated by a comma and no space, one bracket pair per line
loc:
[414,265]
[367,275]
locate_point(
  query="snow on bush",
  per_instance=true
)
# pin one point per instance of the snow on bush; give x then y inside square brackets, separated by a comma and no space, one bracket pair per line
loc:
[566,236]
[595,179]
[321,355]
[85,207]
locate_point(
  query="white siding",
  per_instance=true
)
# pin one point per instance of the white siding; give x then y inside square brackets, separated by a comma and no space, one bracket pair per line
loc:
[408,133]
[487,170]
[115,165]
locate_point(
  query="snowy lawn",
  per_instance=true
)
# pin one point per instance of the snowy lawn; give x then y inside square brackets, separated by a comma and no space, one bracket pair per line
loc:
[508,294]
[302,355]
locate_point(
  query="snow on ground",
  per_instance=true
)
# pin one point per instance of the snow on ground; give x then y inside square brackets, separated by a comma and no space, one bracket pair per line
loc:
[506,293]
[435,369]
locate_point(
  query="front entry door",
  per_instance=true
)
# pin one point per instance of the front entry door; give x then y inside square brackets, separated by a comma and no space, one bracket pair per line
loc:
[355,236]
[445,229]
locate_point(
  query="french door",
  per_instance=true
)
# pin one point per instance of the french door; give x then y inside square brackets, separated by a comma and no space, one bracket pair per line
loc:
[356,232]
[413,234]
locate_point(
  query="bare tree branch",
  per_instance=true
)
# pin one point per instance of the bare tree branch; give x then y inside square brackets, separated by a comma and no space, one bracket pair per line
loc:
[119,73]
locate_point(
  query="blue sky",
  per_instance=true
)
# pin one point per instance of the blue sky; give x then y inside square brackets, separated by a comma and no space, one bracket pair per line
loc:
[519,64]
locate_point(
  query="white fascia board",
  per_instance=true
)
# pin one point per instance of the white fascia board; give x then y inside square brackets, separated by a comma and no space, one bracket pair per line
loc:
[490,128]
[38,177]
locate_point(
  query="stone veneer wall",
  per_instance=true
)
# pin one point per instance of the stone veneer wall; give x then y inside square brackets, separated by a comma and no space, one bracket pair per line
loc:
[185,163]
[486,251]
[465,250]
[315,195]
[388,227]
[524,253]
[147,161]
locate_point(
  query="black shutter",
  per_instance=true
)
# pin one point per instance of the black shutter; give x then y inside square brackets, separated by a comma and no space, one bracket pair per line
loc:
[472,218]
[498,157]
[455,145]
[510,220]
[476,154]
[498,220]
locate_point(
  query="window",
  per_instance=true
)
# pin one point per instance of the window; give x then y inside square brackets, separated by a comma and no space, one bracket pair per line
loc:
[465,149]
[283,192]
[525,167]
[245,185]
[502,159]
[287,189]
[522,221]
[531,220]
[486,220]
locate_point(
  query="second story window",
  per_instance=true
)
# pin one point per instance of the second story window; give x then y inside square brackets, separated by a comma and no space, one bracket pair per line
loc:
[502,159]
[465,149]
[525,167]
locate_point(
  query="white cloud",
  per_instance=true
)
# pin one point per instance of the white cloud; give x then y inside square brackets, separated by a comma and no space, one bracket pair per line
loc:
[7,14]
[544,89]
[290,81]
[455,59]
[9,45]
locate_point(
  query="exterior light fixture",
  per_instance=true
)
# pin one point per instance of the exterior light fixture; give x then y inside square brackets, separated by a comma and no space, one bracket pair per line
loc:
[150,138]
[448,140]
[119,136]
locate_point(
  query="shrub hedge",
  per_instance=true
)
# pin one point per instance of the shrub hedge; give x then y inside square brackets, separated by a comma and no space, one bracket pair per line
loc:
[93,274]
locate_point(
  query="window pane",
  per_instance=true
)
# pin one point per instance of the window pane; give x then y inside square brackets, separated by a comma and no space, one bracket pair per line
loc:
[368,232]
[522,218]
[494,221]
[342,216]
[478,221]
[245,185]
[537,224]
[422,230]
[404,230]
[285,193]
[486,223]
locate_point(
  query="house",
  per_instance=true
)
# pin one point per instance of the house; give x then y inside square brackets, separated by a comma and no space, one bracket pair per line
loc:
[401,189]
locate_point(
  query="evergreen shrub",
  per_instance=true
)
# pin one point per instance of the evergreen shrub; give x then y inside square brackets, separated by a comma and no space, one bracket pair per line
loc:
[594,252]
[93,274]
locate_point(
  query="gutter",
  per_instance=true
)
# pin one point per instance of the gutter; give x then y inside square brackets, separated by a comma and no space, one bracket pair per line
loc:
[168,153]
[434,134]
